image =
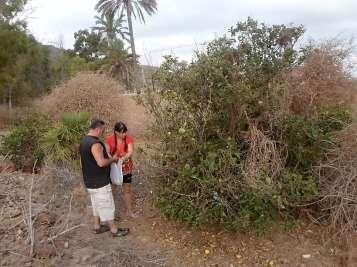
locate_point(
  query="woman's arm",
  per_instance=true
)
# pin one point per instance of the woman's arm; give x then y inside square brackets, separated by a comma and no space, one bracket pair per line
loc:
[129,153]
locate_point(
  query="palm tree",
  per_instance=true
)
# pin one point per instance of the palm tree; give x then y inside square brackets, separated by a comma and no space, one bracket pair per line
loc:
[134,8]
[110,26]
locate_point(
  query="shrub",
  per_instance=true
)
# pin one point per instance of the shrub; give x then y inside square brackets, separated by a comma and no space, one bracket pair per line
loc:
[97,94]
[324,79]
[307,139]
[61,143]
[337,174]
[22,143]
[296,189]
[233,149]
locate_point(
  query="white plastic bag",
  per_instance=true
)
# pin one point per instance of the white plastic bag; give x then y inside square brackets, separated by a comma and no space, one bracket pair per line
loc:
[116,173]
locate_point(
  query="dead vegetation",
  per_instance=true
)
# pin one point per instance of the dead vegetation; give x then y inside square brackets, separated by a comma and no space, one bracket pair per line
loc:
[338,179]
[35,217]
[97,94]
[6,165]
[263,155]
[323,80]
[7,116]
[4,116]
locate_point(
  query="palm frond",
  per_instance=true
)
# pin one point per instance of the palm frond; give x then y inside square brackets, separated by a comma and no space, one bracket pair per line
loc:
[137,8]
[109,7]
[150,6]
[111,26]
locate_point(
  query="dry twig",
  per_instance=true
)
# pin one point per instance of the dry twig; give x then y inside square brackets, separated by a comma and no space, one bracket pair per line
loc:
[65,232]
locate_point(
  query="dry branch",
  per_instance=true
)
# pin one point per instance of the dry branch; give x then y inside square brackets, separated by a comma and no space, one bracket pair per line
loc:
[338,180]
[64,232]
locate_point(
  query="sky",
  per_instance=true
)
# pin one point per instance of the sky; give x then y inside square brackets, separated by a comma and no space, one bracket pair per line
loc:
[182,26]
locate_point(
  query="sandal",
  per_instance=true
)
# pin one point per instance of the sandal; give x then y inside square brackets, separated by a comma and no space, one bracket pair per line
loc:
[102,229]
[121,232]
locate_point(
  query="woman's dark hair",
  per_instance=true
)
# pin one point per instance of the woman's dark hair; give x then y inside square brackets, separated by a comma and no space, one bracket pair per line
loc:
[120,127]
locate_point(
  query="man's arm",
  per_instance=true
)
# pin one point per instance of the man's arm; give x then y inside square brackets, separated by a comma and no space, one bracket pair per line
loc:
[97,152]
[107,148]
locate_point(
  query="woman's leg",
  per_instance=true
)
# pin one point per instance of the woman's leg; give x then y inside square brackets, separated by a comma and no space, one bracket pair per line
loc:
[127,195]
[114,191]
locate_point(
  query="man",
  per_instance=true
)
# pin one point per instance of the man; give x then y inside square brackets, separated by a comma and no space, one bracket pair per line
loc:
[96,175]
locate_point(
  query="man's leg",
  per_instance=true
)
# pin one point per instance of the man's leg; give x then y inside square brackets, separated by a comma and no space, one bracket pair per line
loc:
[96,221]
[106,213]
[96,218]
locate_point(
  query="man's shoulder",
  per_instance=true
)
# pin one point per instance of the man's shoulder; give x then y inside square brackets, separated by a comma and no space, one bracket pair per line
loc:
[89,140]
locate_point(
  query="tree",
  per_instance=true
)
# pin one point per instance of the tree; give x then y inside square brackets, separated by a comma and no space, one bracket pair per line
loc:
[24,65]
[13,45]
[88,45]
[110,26]
[9,9]
[134,8]
[27,68]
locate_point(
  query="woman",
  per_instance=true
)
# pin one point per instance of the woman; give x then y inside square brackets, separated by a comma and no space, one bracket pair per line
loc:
[122,145]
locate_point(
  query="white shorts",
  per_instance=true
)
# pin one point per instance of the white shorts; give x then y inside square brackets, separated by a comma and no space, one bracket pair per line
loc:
[102,203]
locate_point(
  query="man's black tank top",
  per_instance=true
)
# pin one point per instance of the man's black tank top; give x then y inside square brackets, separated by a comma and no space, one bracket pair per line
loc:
[94,176]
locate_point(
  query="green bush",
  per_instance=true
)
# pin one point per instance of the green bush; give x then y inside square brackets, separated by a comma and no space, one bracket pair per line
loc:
[255,210]
[60,143]
[334,118]
[22,143]
[306,139]
[217,168]
[296,189]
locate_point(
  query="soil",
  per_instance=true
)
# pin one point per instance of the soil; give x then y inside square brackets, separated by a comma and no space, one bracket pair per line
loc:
[61,217]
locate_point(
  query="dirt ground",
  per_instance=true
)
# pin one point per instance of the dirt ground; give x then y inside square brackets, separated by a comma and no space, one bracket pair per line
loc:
[153,241]
[58,221]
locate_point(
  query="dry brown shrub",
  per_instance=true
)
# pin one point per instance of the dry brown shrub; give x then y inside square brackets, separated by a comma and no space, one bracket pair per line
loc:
[4,116]
[7,117]
[97,94]
[263,156]
[6,165]
[323,80]
[338,183]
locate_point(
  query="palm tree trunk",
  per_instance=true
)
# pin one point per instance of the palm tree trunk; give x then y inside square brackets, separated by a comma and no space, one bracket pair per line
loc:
[131,32]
